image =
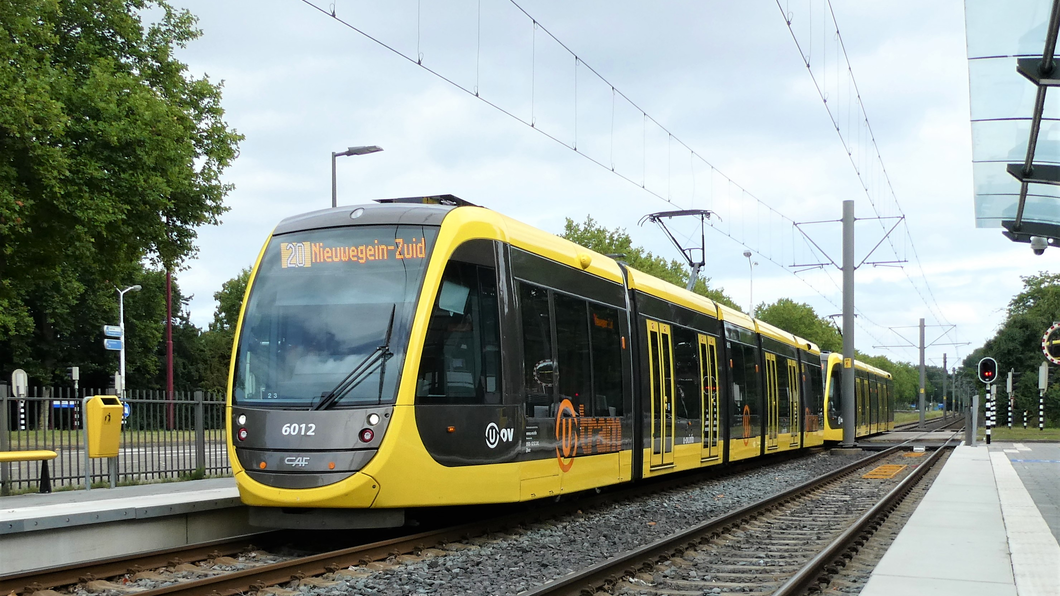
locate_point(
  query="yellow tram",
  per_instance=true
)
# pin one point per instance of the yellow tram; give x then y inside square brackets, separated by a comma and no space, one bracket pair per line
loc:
[427,352]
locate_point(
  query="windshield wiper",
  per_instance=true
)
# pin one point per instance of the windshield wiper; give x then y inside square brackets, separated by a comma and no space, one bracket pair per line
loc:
[360,372]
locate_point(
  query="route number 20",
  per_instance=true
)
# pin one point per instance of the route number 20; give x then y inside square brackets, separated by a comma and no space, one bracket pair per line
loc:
[298,429]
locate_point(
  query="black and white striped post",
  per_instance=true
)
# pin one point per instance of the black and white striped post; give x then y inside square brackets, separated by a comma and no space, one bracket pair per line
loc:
[1008,387]
[989,410]
[1024,419]
[1041,411]
[1043,384]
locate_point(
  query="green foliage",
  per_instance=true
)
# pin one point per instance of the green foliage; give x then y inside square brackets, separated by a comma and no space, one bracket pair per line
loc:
[593,236]
[802,320]
[1017,346]
[217,341]
[110,154]
[905,376]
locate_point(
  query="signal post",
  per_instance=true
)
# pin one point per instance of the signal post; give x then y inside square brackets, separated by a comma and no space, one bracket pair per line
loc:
[988,374]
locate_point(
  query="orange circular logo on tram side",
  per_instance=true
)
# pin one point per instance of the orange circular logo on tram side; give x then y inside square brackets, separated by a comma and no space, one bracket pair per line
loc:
[566,435]
[746,424]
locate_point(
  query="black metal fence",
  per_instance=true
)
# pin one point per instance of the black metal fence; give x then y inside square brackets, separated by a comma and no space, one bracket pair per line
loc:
[162,437]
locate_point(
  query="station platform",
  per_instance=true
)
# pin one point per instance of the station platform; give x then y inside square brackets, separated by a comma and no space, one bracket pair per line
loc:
[989,525]
[46,530]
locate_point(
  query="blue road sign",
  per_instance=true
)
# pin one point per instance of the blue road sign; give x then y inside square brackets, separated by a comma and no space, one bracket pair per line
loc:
[111,331]
[112,344]
[124,411]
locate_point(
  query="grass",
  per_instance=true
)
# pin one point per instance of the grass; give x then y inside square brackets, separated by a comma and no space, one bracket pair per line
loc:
[905,417]
[1018,433]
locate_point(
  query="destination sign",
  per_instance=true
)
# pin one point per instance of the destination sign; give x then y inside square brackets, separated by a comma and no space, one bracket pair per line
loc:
[112,344]
[112,331]
[307,254]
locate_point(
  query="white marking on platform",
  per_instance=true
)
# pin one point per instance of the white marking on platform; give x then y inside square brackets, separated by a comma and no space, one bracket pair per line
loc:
[1012,451]
[1035,552]
[1021,447]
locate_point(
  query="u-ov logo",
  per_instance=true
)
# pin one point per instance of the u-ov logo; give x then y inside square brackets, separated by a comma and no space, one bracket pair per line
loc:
[495,435]
[566,435]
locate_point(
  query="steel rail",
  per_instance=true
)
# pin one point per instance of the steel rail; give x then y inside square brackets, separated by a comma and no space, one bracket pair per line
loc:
[815,568]
[28,582]
[608,573]
[277,573]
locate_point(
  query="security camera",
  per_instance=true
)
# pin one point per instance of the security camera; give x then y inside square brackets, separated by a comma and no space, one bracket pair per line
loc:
[1039,244]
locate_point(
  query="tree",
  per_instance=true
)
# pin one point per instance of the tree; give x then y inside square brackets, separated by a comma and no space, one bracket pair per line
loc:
[218,340]
[905,377]
[593,236]
[1017,346]
[802,320]
[110,153]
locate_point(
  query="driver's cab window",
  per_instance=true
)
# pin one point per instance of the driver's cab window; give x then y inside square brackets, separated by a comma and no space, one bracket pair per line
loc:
[461,361]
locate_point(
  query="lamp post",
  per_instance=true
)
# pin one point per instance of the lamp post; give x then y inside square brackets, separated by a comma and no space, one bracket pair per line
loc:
[751,267]
[350,151]
[121,323]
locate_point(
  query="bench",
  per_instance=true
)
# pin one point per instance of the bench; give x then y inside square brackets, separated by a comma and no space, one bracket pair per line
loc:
[41,455]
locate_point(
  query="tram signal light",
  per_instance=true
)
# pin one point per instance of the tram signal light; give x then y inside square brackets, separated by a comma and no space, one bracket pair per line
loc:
[988,370]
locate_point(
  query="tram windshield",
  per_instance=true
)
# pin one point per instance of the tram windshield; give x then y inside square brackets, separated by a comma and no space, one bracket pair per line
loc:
[321,306]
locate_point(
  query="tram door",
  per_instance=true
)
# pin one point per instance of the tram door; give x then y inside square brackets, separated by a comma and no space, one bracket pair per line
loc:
[772,402]
[660,358]
[793,403]
[708,365]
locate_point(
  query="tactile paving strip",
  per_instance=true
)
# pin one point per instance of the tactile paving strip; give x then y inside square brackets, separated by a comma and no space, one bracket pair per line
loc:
[884,472]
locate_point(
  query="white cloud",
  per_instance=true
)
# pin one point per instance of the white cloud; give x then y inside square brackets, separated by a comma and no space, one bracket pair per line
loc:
[724,77]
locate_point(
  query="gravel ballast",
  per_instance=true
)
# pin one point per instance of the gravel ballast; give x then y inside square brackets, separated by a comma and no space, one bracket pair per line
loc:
[522,559]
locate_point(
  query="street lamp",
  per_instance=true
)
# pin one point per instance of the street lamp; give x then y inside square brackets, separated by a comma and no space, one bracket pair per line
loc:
[121,323]
[751,268]
[350,151]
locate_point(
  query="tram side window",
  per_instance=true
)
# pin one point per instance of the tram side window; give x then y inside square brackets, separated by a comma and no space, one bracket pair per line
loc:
[686,362]
[607,360]
[813,397]
[745,388]
[835,391]
[538,368]
[461,353]
[572,347]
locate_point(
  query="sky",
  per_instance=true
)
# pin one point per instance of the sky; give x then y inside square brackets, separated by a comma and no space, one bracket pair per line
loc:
[702,104]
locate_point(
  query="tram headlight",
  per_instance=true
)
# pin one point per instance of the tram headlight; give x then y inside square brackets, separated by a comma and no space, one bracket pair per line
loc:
[241,434]
[367,435]
[241,419]
[373,419]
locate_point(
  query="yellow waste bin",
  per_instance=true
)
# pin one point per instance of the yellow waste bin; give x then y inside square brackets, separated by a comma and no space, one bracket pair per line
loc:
[103,415]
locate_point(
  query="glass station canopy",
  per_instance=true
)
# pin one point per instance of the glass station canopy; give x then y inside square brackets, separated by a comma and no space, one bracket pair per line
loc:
[1015,122]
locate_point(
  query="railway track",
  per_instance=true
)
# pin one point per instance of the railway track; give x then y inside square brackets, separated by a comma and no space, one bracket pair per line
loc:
[933,424]
[229,567]
[226,568]
[783,545]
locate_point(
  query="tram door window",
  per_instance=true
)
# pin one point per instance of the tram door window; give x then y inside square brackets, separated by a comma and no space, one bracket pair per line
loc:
[662,410]
[689,398]
[461,362]
[793,403]
[784,388]
[606,337]
[538,366]
[874,404]
[772,402]
[572,350]
[860,398]
[708,358]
